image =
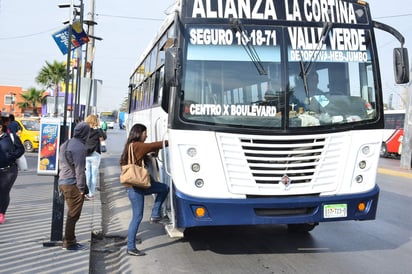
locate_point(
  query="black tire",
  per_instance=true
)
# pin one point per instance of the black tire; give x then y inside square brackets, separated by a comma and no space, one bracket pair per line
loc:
[384,151]
[28,146]
[301,228]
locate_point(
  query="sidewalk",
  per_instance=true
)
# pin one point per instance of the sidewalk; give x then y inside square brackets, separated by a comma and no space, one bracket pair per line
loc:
[109,250]
[28,226]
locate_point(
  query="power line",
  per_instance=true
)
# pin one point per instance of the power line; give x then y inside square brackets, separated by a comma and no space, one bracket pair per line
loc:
[129,17]
[30,35]
[391,16]
[97,14]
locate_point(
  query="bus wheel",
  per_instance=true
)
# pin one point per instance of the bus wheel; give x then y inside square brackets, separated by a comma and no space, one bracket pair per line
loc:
[384,151]
[301,228]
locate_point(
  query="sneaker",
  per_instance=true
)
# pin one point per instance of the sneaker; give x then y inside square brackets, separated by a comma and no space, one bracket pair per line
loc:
[89,197]
[162,220]
[2,218]
[75,247]
[138,240]
[135,252]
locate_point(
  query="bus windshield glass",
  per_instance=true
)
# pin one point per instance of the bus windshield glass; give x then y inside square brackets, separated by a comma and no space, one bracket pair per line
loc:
[278,76]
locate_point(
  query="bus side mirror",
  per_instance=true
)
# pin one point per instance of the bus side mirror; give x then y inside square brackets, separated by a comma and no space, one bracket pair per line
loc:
[171,75]
[401,65]
[172,67]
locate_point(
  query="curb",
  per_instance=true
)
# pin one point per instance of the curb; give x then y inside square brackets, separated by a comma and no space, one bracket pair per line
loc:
[404,174]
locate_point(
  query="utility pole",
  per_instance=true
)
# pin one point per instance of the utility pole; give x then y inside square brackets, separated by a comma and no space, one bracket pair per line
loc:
[78,72]
[88,63]
[90,46]
[406,155]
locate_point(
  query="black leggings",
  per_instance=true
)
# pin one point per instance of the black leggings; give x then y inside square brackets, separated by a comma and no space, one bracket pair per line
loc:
[7,178]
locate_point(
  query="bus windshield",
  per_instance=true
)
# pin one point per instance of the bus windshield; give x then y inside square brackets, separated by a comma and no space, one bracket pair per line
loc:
[255,78]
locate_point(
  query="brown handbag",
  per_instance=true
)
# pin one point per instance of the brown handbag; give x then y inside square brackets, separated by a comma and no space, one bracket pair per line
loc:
[133,174]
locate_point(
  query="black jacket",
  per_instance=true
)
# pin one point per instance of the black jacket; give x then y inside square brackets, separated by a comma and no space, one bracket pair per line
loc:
[10,152]
[93,142]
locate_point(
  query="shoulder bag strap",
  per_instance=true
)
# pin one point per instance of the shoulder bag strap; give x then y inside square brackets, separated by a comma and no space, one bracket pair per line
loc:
[130,156]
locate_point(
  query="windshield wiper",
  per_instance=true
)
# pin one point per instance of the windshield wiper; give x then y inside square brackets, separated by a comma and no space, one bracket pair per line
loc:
[237,26]
[305,69]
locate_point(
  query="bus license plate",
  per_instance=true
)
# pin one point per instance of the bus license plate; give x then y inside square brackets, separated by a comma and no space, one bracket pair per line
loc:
[335,211]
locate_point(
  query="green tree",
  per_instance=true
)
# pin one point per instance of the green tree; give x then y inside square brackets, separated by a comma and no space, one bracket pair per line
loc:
[32,98]
[50,76]
[124,107]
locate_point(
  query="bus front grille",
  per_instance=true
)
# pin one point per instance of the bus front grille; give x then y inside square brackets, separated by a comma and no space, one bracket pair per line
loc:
[269,160]
[256,164]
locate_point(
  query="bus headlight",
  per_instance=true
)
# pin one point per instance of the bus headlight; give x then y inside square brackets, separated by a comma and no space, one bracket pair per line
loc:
[192,152]
[199,183]
[362,164]
[359,179]
[366,150]
[195,167]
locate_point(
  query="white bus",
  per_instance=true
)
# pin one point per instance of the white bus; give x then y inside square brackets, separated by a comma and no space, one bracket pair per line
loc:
[273,111]
[109,117]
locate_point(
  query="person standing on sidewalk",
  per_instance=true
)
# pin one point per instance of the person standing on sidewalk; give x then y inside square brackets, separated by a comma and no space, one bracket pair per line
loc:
[137,137]
[9,152]
[13,125]
[72,181]
[93,153]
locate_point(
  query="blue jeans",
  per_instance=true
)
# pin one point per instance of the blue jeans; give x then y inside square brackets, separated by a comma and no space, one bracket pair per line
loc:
[92,168]
[136,197]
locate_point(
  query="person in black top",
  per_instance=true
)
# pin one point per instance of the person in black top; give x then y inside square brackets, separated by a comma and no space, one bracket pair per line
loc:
[93,157]
[10,151]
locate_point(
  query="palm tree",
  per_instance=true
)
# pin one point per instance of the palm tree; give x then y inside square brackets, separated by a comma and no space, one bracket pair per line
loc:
[32,98]
[50,76]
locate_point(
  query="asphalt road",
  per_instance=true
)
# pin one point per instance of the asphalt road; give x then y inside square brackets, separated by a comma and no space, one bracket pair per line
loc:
[379,246]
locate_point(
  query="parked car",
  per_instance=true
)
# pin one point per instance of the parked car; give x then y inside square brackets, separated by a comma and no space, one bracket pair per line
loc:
[29,133]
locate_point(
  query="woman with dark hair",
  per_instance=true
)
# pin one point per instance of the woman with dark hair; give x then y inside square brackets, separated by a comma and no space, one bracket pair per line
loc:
[11,149]
[137,137]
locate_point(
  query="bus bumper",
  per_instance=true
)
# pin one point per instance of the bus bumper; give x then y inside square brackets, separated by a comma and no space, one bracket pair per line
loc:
[274,210]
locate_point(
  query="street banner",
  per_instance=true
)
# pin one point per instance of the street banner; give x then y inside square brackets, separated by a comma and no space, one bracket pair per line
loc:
[48,155]
[78,37]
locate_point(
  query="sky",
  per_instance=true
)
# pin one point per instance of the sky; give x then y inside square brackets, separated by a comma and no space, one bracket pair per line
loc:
[127,27]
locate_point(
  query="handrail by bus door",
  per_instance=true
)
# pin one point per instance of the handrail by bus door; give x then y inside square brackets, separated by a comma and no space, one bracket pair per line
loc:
[164,160]
[165,151]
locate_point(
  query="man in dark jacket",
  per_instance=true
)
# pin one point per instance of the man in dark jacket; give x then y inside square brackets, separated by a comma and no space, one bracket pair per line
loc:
[72,181]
